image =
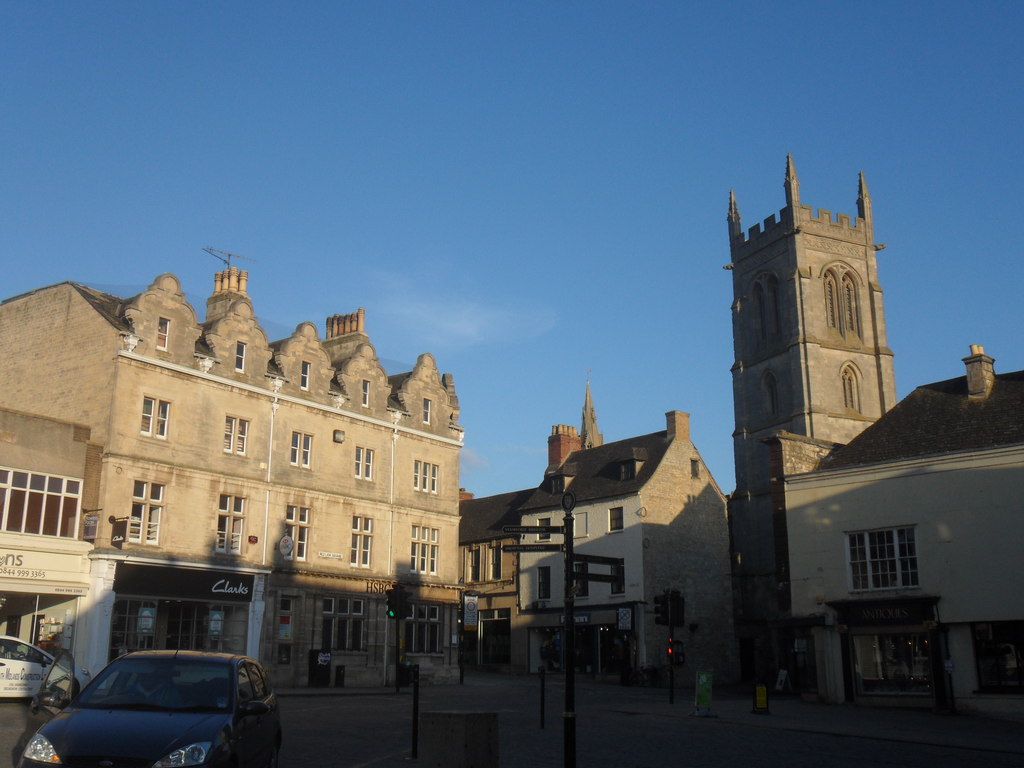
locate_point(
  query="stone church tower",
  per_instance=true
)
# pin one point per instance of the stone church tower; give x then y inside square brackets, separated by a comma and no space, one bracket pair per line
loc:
[811,359]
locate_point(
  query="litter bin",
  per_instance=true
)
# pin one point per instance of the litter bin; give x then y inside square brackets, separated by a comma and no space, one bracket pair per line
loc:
[339,676]
[319,668]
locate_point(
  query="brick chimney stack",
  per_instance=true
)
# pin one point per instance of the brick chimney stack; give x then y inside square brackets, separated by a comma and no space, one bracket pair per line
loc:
[980,373]
[678,425]
[564,439]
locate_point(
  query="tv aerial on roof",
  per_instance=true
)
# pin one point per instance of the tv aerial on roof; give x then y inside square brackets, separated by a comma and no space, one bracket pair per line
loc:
[225,256]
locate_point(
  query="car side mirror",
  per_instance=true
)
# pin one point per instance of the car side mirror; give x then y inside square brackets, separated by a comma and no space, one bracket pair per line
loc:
[55,698]
[254,707]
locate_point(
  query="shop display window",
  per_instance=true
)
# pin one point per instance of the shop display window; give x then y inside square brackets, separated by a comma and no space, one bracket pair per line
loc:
[999,653]
[892,664]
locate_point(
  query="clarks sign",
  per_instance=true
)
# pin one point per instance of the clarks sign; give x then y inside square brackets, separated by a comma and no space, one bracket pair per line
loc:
[184,583]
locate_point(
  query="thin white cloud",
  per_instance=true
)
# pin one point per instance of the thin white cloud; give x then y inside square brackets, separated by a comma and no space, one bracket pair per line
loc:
[442,320]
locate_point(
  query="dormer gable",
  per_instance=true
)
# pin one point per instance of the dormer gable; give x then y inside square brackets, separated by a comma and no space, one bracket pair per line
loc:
[364,382]
[424,398]
[233,332]
[164,322]
[303,363]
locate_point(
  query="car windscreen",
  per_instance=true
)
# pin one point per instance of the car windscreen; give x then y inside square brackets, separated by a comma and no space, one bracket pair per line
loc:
[163,683]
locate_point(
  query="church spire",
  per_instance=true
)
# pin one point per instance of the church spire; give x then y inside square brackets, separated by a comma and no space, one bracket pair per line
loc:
[792,184]
[735,225]
[589,435]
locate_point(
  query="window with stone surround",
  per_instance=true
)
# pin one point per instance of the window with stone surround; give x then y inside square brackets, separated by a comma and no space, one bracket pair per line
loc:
[230,524]
[156,416]
[147,508]
[302,450]
[163,332]
[236,435]
[883,559]
[362,541]
[296,524]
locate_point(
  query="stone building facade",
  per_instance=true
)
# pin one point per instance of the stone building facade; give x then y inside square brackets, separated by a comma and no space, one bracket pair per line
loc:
[649,502]
[811,360]
[253,495]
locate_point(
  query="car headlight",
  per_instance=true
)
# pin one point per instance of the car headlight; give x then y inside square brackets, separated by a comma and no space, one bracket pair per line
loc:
[193,754]
[41,750]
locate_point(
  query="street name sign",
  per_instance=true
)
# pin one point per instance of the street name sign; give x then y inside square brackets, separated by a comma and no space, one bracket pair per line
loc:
[532,529]
[531,548]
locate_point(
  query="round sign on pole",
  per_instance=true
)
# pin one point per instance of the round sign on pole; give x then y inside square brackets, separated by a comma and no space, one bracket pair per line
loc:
[568,501]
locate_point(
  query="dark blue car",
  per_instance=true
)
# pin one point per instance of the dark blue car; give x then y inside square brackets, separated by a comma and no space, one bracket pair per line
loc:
[158,709]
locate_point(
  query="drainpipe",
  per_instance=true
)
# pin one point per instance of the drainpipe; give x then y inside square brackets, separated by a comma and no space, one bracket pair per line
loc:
[275,385]
[395,416]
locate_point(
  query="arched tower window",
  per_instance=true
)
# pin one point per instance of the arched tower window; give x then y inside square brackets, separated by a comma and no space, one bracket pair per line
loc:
[851,389]
[760,311]
[765,298]
[832,315]
[772,299]
[851,311]
[771,393]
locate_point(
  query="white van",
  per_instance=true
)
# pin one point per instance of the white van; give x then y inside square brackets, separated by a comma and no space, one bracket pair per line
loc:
[22,667]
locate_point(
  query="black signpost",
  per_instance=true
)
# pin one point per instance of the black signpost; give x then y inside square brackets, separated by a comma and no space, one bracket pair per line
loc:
[568,619]
[569,627]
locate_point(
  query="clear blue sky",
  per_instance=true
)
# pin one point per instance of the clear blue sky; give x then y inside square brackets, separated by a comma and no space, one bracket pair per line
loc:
[533,192]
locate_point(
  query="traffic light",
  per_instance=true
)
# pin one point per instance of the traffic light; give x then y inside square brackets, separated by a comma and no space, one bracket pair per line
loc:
[676,656]
[677,607]
[395,601]
[662,609]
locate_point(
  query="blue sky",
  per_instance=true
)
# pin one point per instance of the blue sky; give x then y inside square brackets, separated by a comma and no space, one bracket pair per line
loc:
[533,192]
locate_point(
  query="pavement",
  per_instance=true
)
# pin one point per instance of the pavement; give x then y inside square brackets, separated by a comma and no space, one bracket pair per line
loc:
[730,704]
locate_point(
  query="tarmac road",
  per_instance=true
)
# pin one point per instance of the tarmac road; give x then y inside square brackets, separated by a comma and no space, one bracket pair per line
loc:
[620,727]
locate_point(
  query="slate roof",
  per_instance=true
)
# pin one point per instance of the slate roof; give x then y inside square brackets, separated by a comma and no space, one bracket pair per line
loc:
[596,471]
[596,475]
[483,518]
[937,419]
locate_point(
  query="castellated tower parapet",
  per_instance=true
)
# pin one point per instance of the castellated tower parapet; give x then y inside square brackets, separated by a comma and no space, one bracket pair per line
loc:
[797,218]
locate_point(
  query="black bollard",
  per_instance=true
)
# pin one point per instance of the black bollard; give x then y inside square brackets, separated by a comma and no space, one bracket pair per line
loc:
[540,671]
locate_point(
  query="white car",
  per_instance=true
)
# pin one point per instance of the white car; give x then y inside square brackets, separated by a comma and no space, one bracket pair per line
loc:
[22,667]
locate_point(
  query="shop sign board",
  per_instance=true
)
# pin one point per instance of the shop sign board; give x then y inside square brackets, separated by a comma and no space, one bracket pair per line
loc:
[187,583]
[45,572]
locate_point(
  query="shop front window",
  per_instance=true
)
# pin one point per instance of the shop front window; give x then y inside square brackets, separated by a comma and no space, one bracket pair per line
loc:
[999,652]
[895,664]
[140,624]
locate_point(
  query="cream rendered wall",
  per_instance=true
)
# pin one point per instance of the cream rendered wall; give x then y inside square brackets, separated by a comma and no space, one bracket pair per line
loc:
[966,509]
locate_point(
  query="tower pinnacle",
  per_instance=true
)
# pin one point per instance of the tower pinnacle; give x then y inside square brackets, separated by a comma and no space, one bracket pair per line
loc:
[735,225]
[863,198]
[792,184]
